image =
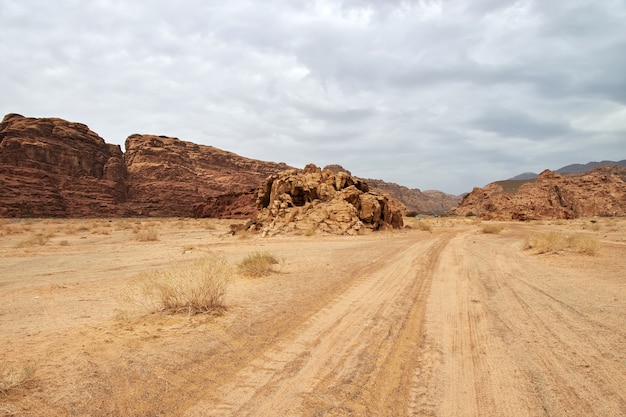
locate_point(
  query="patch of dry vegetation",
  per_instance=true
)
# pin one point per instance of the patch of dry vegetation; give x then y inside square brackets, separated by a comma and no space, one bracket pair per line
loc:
[555,242]
[424,225]
[258,264]
[196,287]
[38,239]
[11,379]
[148,234]
[492,229]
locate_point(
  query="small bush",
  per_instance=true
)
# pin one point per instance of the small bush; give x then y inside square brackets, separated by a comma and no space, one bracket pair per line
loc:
[554,242]
[491,229]
[584,244]
[37,239]
[196,287]
[11,379]
[147,235]
[594,226]
[258,264]
[424,225]
[547,242]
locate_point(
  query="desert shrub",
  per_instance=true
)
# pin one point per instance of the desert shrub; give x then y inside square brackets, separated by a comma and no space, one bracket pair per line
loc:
[196,287]
[424,225]
[258,264]
[411,214]
[584,244]
[149,234]
[554,242]
[546,242]
[593,225]
[491,229]
[36,239]
[11,379]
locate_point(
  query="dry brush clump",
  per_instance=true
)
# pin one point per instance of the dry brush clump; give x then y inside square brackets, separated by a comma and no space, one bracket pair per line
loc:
[493,229]
[192,287]
[258,264]
[38,239]
[11,379]
[148,234]
[555,242]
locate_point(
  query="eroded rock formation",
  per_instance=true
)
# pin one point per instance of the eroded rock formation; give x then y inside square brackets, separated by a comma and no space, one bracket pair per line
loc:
[171,177]
[314,200]
[50,167]
[599,192]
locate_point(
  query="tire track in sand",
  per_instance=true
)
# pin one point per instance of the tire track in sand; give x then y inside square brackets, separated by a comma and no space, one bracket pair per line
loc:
[355,356]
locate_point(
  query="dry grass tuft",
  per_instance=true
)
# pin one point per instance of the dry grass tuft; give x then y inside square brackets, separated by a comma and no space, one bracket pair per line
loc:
[149,234]
[493,229]
[11,379]
[258,264]
[196,287]
[584,244]
[555,242]
[424,225]
[36,239]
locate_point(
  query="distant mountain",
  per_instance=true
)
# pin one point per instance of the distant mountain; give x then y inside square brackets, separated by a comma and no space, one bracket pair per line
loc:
[571,169]
[524,176]
[590,165]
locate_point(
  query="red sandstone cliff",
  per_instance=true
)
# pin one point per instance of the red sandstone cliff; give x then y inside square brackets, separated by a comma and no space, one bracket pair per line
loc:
[599,192]
[52,167]
[171,177]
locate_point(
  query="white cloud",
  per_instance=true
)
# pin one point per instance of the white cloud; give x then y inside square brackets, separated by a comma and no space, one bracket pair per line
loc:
[428,94]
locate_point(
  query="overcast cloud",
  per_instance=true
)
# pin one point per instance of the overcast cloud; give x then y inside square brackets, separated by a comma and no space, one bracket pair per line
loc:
[430,94]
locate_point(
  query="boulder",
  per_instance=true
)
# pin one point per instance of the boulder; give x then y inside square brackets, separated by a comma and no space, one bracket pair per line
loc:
[313,200]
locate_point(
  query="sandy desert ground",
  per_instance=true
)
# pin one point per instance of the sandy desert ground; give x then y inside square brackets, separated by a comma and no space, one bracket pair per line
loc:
[450,321]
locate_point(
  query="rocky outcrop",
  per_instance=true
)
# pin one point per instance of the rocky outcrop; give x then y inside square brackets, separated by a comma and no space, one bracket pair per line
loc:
[430,201]
[50,167]
[599,192]
[313,200]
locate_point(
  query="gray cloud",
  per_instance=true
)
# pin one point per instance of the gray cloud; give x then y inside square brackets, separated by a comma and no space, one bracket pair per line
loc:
[429,94]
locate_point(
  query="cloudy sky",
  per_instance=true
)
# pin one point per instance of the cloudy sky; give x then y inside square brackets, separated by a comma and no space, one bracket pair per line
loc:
[429,94]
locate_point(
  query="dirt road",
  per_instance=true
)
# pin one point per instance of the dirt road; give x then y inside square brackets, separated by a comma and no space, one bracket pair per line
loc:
[451,322]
